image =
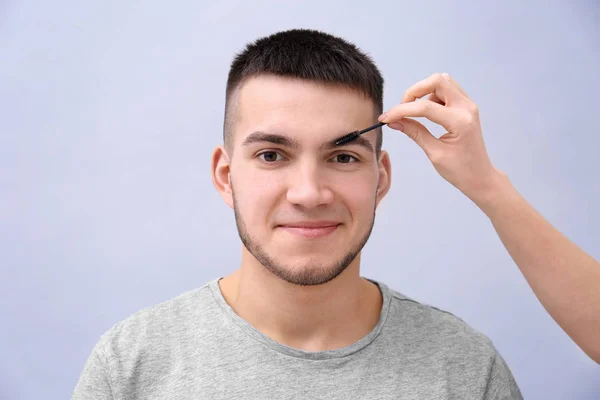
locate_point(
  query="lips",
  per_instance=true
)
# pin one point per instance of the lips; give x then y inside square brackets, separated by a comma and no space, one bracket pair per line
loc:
[310,229]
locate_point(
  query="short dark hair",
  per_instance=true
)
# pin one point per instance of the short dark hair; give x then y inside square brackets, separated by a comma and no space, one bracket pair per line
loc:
[310,55]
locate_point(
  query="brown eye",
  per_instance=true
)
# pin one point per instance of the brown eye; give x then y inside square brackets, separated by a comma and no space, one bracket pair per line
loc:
[269,156]
[345,158]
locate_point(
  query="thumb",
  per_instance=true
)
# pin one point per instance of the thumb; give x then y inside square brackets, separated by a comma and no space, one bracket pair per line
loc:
[418,133]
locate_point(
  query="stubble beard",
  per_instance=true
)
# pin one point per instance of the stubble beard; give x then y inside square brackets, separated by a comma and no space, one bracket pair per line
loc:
[312,273]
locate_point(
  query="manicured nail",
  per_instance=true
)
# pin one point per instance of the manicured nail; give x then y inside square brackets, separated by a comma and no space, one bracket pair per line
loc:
[382,117]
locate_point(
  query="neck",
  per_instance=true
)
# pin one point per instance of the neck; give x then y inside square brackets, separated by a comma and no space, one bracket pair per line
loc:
[313,318]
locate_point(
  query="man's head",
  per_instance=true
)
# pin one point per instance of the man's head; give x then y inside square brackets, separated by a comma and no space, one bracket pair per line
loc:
[307,55]
[304,208]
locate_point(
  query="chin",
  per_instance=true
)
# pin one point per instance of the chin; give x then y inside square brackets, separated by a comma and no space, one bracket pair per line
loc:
[311,256]
[303,267]
[312,262]
[308,272]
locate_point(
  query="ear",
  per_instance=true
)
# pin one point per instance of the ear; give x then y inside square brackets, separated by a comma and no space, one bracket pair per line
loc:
[221,174]
[385,176]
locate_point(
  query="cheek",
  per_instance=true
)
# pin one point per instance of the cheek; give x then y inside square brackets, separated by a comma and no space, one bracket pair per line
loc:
[255,196]
[359,195]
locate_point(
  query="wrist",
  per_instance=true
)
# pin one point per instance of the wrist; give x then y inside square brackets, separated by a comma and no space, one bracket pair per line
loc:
[494,194]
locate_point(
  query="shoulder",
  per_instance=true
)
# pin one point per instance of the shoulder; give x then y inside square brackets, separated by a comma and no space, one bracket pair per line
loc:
[158,325]
[434,339]
[147,345]
[435,329]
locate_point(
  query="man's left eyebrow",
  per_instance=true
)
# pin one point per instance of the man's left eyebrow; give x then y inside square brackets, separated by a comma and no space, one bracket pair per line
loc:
[359,141]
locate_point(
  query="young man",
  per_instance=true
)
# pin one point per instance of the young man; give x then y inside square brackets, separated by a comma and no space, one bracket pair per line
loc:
[297,320]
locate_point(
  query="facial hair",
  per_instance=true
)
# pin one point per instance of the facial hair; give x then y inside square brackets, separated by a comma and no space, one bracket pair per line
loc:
[311,274]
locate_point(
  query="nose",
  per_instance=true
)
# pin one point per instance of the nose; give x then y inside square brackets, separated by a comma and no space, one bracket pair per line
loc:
[309,187]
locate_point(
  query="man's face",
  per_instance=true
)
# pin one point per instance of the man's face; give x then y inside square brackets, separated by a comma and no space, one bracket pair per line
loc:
[304,208]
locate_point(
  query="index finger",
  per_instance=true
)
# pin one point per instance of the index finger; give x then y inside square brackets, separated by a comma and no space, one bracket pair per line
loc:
[452,81]
[434,112]
[434,84]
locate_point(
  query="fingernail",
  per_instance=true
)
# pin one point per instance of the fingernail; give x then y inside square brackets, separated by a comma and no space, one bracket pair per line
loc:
[383,116]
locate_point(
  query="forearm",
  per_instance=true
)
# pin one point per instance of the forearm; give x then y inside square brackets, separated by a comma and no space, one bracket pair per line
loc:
[565,279]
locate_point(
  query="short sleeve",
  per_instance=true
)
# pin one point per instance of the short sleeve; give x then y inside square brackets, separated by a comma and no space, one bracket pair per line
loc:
[501,384]
[94,381]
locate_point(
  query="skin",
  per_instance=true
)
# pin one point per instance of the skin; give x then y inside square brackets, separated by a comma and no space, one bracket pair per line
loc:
[299,289]
[565,279]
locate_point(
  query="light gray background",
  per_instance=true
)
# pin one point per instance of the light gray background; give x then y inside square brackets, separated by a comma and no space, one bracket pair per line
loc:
[110,111]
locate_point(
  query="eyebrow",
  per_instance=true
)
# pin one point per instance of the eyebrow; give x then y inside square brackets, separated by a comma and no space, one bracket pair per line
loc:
[259,137]
[282,140]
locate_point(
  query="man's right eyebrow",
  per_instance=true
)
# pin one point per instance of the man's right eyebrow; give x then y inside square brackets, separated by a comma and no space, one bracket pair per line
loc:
[259,137]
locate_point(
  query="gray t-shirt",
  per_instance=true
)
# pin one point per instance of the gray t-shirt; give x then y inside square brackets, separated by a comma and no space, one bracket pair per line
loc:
[196,347]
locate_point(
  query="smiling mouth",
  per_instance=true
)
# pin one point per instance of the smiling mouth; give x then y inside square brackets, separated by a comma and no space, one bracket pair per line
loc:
[311,231]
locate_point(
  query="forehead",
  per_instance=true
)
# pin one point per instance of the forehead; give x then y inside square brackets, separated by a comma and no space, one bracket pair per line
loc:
[303,109]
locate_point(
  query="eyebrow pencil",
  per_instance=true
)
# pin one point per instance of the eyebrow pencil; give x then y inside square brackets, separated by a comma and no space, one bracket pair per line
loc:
[353,135]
